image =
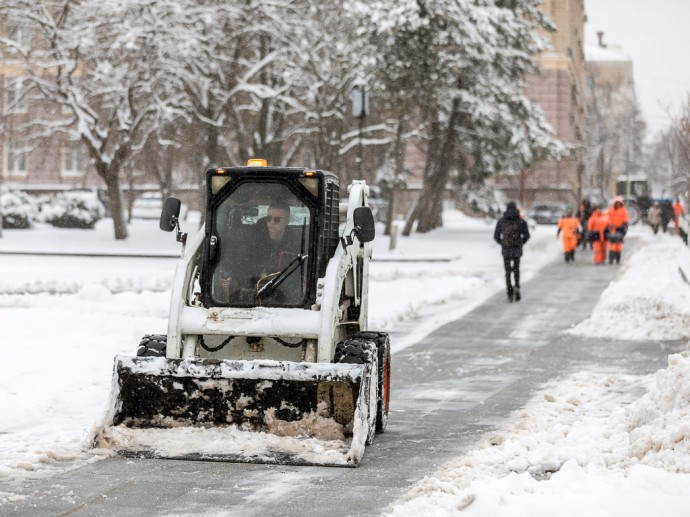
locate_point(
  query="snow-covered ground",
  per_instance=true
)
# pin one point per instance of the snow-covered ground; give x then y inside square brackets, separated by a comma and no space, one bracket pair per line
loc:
[64,318]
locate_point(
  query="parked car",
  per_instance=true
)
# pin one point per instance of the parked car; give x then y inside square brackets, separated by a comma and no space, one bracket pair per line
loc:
[149,206]
[546,213]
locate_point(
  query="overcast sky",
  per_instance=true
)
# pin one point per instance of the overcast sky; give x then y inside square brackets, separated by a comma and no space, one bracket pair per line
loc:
[656,35]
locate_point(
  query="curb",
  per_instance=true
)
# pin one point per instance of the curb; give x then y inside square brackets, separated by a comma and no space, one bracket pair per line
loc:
[89,254]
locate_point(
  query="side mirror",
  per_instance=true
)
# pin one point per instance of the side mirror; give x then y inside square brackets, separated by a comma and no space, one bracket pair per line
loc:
[364,226]
[170,214]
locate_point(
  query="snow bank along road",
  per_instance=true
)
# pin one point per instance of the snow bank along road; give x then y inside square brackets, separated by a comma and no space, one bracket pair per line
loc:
[448,389]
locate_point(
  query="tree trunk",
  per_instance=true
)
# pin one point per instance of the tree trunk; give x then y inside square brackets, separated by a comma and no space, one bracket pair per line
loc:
[430,205]
[429,208]
[212,147]
[130,192]
[390,211]
[399,159]
[112,182]
[213,155]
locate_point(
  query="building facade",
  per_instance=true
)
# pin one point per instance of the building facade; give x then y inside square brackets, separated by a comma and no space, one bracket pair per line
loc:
[52,165]
[611,96]
[559,89]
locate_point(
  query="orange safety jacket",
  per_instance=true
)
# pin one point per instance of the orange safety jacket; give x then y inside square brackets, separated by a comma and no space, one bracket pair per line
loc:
[678,210]
[570,226]
[598,222]
[617,216]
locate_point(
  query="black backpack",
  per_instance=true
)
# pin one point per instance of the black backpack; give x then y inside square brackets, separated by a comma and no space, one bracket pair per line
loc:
[510,233]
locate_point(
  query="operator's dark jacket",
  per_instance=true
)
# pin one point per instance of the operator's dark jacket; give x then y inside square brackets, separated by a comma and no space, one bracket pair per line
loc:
[511,232]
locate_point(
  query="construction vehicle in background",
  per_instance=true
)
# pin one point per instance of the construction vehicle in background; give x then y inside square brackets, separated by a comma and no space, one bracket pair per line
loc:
[268,357]
[637,194]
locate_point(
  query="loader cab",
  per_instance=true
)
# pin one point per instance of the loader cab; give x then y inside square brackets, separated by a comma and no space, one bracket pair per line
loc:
[269,235]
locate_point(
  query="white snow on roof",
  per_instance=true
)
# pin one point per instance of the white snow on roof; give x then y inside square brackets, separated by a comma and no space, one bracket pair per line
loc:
[608,54]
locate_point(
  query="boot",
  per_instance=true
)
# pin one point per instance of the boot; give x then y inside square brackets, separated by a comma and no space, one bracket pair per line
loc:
[618,257]
[517,293]
[611,256]
[567,257]
[510,294]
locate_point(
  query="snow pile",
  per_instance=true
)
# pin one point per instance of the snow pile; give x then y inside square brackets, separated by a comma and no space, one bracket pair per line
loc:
[574,450]
[227,442]
[659,423]
[572,492]
[651,300]
[310,424]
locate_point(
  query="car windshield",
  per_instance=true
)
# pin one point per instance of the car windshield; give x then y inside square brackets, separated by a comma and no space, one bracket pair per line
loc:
[261,229]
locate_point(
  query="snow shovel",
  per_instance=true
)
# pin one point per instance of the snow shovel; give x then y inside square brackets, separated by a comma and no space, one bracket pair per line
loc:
[278,412]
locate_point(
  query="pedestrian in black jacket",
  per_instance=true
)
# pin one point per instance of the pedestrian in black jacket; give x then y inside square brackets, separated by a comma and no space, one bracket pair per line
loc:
[512,233]
[583,214]
[667,214]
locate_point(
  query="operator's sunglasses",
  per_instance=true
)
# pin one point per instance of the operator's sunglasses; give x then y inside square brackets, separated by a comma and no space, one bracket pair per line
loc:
[274,219]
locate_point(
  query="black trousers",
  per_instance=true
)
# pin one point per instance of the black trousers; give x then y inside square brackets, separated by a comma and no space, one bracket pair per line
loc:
[512,265]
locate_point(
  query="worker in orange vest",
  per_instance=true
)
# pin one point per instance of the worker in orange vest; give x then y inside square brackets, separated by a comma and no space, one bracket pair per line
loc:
[618,227]
[596,233]
[678,210]
[570,226]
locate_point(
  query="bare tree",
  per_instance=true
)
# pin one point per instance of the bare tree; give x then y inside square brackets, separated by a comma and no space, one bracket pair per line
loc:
[681,130]
[614,132]
[668,160]
[94,67]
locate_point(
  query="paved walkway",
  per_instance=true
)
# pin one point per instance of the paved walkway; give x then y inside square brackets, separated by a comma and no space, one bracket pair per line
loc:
[454,385]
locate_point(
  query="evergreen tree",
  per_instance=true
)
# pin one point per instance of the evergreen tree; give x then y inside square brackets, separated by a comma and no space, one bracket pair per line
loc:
[462,65]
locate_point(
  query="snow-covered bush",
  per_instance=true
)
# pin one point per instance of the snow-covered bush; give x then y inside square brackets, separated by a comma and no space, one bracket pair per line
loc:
[479,200]
[72,210]
[18,209]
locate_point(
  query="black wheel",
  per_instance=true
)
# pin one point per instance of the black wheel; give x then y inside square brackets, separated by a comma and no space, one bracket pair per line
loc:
[634,213]
[152,345]
[383,346]
[353,351]
[359,351]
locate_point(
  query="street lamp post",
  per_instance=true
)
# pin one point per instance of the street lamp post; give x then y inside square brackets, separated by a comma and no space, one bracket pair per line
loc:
[360,108]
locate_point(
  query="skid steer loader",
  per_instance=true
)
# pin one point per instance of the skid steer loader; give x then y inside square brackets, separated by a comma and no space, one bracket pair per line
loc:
[267,357]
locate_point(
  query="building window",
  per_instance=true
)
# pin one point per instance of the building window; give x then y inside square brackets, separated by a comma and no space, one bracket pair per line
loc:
[72,159]
[15,159]
[18,35]
[15,98]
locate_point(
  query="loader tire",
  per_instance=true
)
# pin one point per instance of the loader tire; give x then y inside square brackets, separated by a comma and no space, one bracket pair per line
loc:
[358,351]
[353,351]
[152,345]
[383,345]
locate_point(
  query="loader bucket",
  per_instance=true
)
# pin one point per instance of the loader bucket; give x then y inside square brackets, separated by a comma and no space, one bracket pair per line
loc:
[277,412]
